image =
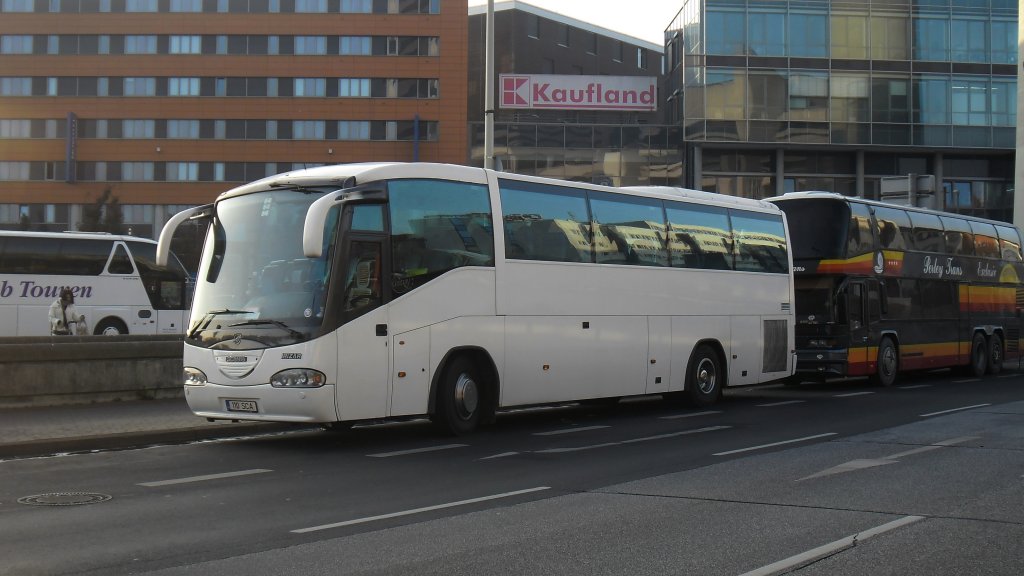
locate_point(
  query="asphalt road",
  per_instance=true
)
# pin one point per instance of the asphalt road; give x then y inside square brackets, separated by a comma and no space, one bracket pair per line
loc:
[923,478]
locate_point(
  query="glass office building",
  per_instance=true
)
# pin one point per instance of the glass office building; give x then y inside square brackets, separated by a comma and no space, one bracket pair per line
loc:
[776,96]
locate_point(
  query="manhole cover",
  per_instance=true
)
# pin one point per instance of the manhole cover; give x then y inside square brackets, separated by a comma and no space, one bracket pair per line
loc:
[64,499]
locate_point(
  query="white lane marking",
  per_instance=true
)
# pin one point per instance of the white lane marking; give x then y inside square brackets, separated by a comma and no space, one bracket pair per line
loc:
[1009,376]
[419,510]
[967,380]
[502,455]
[935,446]
[830,548]
[205,477]
[631,441]
[773,444]
[416,450]
[695,414]
[852,394]
[914,387]
[569,430]
[781,403]
[953,410]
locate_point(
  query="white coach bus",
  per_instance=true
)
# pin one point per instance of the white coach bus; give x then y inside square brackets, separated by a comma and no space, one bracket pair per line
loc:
[115,280]
[367,291]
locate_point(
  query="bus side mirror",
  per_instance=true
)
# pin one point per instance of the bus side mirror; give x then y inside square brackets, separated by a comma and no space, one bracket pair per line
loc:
[313,226]
[163,247]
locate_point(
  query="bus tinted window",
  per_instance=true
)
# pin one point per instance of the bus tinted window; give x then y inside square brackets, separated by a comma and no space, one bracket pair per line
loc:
[1009,243]
[894,230]
[928,234]
[628,230]
[959,239]
[859,239]
[545,222]
[986,243]
[165,287]
[437,226]
[54,256]
[812,227]
[120,263]
[760,242]
[699,236]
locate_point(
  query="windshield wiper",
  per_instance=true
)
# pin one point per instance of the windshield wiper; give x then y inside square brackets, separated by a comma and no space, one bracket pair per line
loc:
[293,332]
[202,324]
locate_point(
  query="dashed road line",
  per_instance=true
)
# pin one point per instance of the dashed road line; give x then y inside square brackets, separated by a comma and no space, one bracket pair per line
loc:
[953,410]
[630,441]
[783,403]
[205,477]
[965,381]
[852,394]
[502,455]
[809,556]
[420,510]
[570,430]
[693,415]
[416,450]
[773,444]
[914,387]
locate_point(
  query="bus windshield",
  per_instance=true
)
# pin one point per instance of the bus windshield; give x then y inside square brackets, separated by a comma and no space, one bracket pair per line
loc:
[813,230]
[816,301]
[255,285]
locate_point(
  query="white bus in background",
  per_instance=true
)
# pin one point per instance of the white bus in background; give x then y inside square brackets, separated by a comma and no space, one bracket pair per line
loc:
[368,291]
[117,285]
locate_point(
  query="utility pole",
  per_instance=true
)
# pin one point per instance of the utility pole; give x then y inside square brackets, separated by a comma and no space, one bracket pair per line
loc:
[489,88]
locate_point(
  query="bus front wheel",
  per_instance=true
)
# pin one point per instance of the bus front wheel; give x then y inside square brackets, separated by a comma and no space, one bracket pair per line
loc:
[888,364]
[110,327]
[459,397]
[995,354]
[704,377]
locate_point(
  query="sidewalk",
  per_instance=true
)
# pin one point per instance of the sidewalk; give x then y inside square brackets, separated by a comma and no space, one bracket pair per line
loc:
[112,425]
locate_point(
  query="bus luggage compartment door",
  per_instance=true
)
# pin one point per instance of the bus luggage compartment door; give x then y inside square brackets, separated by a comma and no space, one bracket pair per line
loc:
[745,353]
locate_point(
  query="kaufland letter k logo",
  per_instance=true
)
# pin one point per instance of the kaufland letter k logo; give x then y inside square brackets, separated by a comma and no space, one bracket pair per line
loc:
[515,91]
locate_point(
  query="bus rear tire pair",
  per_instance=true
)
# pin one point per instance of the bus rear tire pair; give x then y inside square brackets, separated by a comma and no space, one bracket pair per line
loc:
[986,355]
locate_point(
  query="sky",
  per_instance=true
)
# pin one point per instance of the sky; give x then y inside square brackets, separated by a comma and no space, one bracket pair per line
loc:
[643,19]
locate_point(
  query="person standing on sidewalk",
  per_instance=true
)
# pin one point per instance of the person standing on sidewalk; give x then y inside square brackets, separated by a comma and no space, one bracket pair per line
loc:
[63,313]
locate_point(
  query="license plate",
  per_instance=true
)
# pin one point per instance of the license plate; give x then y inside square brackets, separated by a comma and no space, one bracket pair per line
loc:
[242,406]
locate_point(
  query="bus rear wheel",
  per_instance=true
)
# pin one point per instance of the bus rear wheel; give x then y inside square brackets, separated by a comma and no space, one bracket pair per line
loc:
[888,364]
[995,354]
[460,397]
[704,377]
[110,327]
[979,355]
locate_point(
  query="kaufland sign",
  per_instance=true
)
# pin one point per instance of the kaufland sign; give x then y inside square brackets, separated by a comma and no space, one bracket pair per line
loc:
[552,91]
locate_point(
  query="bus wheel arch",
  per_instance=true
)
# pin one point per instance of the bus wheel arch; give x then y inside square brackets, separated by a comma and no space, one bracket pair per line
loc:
[110,326]
[464,391]
[994,354]
[706,374]
[887,365]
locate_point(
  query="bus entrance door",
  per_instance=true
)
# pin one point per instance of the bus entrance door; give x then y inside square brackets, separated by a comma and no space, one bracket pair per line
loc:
[859,353]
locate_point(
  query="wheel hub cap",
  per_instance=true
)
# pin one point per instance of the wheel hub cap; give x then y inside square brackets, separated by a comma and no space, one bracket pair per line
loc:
[466,396]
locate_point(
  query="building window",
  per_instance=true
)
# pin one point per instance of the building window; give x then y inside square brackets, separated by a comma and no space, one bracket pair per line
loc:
[15,86]
[532,25]
[139,87]
[355,46]
[137,171]
[310,45]
[140,44]
[104,44]
[21,44]
[356,6]
[188,129]
[53,44]
[641,58]
[353,130]
[140,5]
[183,86]
[307,129]
[51,86]
[218,171]
[18,5]
[310,87]
[15,128]
[182,171]
[617,52]
[186,5]
[192,44]
[311,6]
[138,128]
[563,35]
[353,87]
[14,171]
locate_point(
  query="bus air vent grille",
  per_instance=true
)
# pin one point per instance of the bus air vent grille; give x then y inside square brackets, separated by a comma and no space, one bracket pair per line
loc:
[775,346]
[235,364]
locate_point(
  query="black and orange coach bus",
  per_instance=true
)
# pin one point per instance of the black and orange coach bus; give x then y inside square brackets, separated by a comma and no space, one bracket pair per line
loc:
[882,289]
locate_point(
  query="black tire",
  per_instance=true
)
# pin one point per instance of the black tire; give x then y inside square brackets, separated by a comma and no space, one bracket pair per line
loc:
[337,427]
[110,327]
[888,365]
[979,356]
[995,354]
[460,397]
[704,377]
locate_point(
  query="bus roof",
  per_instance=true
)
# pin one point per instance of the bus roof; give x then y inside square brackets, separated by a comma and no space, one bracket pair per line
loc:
[842,198]
[349,175]
[76,235]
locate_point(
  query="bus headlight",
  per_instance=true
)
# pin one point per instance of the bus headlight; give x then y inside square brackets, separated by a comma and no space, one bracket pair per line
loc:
[298,378]
[194,377]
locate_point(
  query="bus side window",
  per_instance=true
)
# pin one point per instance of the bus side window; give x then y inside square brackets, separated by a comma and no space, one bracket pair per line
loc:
[120,262]
[856,306]
[362,288]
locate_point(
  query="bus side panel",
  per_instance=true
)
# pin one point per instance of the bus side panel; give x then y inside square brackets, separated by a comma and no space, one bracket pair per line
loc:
[35,320]
[557,358]
[9,321]
[745,351]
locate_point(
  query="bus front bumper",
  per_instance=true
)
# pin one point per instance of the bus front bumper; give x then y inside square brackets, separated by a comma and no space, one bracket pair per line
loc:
[263,403]
[821,364]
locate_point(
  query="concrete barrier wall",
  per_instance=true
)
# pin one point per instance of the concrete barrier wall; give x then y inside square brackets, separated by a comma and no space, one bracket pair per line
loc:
[48,371]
